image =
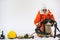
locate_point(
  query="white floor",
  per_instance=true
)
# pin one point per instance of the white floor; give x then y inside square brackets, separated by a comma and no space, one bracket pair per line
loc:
[50,38]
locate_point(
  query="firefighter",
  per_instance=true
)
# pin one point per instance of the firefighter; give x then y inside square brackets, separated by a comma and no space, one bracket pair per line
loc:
[40,17]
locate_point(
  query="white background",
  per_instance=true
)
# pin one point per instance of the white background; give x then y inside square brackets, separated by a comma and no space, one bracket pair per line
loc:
[19,15]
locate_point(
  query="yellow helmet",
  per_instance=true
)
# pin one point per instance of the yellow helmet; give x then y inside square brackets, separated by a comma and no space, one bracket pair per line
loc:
[12,34]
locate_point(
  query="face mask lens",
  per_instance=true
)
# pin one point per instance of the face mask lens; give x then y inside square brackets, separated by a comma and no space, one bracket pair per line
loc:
[44,10]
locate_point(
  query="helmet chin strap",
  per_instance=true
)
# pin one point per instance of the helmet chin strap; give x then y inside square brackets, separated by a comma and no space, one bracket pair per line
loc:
[44,12]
